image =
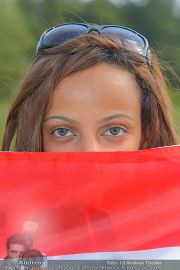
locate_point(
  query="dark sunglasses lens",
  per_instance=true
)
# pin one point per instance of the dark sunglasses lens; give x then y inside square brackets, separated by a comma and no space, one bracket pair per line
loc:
[61,34]
[130,40]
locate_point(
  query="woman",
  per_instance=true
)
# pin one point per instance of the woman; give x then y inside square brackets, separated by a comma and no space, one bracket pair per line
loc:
[91,88]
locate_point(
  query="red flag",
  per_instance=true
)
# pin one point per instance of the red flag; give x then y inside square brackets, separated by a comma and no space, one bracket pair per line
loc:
[76,203]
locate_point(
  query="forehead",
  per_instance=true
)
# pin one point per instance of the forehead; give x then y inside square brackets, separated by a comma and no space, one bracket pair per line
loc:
[16,247]
[101,86]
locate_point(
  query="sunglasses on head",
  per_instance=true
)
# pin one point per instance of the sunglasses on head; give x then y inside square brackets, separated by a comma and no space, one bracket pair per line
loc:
[130,39]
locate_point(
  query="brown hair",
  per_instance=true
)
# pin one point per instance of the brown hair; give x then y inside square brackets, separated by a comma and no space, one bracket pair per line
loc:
[50,66]
[15,239]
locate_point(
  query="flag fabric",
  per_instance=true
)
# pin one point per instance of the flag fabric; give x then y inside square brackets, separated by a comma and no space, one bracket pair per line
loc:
[117,205]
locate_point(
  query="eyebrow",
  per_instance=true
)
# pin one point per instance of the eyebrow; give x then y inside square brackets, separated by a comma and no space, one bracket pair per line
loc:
[105,119]
[61,117]
[117,115]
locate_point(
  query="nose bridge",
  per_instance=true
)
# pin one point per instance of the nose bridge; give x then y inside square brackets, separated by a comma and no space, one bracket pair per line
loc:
[95,28]
[90,144]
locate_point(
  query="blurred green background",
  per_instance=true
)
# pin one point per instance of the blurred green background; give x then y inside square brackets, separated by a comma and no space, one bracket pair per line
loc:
[23,21]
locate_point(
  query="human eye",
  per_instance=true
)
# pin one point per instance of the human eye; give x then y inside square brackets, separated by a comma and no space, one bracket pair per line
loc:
[62,132]
[115,131]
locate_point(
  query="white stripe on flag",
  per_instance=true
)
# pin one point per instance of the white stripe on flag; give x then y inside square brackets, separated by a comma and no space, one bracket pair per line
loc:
[171,253]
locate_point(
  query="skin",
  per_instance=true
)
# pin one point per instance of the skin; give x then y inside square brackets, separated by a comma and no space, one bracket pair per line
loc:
[14,251]
[94,110]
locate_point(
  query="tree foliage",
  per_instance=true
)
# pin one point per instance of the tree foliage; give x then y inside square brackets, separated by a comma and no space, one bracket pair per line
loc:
[16,45]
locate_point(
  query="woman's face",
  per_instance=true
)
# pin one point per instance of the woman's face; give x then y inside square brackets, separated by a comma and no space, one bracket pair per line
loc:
[97,109]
